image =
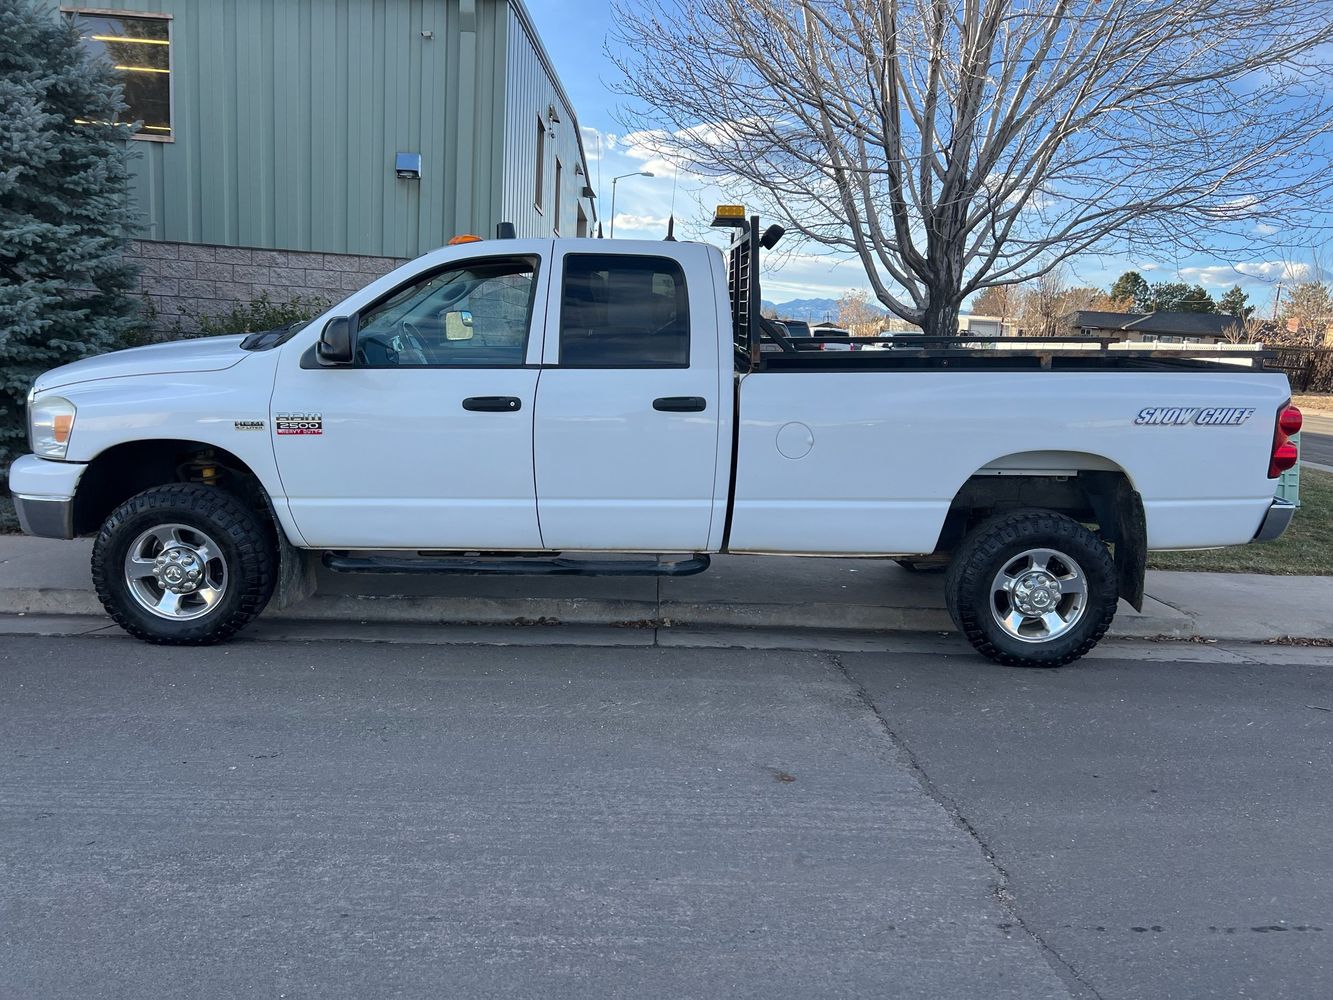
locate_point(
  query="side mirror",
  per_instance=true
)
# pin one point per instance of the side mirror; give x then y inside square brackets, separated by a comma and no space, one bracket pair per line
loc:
[458,325]
[335,342]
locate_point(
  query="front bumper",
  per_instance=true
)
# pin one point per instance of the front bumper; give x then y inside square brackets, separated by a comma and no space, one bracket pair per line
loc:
[43,492]
[1275,521]
[45,517]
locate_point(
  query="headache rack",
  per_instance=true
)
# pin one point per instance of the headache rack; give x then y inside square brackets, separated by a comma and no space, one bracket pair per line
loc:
[916,351]
[743,285]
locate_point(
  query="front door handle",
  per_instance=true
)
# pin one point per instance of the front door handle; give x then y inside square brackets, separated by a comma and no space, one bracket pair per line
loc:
[493,404]
[680,404]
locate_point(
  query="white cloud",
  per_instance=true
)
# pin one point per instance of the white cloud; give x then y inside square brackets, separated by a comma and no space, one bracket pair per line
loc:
[812,276]
[1247,274]
[629,224]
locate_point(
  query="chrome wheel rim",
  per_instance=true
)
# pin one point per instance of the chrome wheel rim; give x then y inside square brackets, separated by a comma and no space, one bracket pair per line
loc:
[176,572]
[1039,595]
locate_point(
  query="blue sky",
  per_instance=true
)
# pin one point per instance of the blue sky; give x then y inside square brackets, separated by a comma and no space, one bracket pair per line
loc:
[573,32]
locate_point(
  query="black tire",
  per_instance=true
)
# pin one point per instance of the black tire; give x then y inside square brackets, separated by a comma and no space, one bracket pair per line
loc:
[246,547]
[922,566]
[994,545]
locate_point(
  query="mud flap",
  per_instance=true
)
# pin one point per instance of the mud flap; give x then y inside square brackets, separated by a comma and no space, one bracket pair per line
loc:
[1131,544]
[296,574]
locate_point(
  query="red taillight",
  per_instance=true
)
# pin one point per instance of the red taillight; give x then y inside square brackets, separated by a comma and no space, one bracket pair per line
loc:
[1284,454]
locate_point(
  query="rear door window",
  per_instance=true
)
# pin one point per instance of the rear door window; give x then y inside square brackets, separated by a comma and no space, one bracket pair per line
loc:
[618,311]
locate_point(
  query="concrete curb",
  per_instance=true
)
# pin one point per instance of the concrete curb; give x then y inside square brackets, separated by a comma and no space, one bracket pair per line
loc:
[811,596]
[457,611]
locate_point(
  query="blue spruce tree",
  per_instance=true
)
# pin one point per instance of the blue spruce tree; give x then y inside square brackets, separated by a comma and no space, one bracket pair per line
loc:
[66,290]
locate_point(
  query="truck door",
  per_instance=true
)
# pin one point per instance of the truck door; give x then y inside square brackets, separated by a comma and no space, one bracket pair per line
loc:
[630,402]
[425,441]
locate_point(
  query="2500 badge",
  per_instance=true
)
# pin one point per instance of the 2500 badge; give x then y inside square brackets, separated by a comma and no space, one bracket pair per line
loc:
[299,423]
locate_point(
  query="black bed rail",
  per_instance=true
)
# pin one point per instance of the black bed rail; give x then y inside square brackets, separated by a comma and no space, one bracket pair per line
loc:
[742,261]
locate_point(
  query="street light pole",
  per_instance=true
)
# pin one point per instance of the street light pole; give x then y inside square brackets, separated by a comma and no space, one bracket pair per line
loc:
[614,180]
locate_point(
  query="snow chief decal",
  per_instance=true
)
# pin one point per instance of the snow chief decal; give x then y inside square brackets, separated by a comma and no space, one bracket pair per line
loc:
[299,423]
[1204,416]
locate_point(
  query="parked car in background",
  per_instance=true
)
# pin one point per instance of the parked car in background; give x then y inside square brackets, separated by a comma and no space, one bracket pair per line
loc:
[832,331]
[770,346]
[797,328]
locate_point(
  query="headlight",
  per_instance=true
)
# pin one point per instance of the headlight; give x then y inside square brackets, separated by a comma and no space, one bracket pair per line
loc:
[50,422]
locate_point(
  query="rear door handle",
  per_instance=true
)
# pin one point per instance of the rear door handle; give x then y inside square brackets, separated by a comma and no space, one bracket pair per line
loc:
[493,404]
[680,404]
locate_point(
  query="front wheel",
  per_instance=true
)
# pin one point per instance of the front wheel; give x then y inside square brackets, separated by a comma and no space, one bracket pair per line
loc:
[183,565]
[1032,589]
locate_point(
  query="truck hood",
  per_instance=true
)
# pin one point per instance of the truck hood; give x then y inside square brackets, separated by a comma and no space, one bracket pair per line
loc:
[207,354]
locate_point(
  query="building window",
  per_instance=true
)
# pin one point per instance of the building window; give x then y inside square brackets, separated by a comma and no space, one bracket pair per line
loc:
[140,49]
[555,204]
[541,163]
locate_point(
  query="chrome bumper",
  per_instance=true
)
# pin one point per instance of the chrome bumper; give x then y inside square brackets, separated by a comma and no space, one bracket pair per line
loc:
[45,517]
[1275,521]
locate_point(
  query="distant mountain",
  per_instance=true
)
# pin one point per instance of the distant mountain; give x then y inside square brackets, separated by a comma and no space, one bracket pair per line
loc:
[810,310]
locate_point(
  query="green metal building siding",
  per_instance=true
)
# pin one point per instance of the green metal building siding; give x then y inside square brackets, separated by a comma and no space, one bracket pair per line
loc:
[532,93]
[287,115]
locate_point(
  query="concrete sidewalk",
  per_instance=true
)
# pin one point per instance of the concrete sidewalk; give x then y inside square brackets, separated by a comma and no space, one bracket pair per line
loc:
[43,577]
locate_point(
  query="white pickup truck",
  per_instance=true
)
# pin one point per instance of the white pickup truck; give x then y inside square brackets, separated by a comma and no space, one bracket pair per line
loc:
[540,405]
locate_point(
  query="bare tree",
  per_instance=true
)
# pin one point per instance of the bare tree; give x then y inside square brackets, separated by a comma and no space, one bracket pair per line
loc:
[1308,310]
[1042,311]
[997,300]
[954,145]
[1249,330]
[857,315]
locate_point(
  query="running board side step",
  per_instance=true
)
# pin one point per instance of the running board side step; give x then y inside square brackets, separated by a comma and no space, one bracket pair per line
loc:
[341,562]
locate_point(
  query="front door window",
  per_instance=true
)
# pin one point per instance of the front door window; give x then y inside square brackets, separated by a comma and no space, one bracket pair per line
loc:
[475,314]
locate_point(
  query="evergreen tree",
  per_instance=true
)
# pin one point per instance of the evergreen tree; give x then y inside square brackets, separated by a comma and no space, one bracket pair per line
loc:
[1177,296]
[65,215]
[1233,303]
[1132,289]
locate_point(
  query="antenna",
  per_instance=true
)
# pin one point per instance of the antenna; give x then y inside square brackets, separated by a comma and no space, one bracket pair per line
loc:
[671,218]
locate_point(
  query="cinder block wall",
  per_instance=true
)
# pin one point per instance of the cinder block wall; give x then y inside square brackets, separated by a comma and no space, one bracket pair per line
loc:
[187,280]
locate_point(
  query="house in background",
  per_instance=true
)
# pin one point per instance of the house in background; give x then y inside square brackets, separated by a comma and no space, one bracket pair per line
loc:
[297,147]
[1156,327]
[976,325]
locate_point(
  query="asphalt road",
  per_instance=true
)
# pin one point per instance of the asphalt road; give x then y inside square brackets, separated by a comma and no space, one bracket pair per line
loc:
[1317,439]
[350,820]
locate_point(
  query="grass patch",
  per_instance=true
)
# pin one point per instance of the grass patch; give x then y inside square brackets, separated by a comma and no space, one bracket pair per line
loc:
[1314,402]
[1305,550]
[9,522]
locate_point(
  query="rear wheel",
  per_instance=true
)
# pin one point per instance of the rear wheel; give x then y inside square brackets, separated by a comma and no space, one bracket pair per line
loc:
[1032,589]
[183,565]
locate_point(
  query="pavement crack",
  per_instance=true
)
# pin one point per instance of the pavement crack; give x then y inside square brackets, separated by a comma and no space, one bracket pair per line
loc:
[1000,890]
